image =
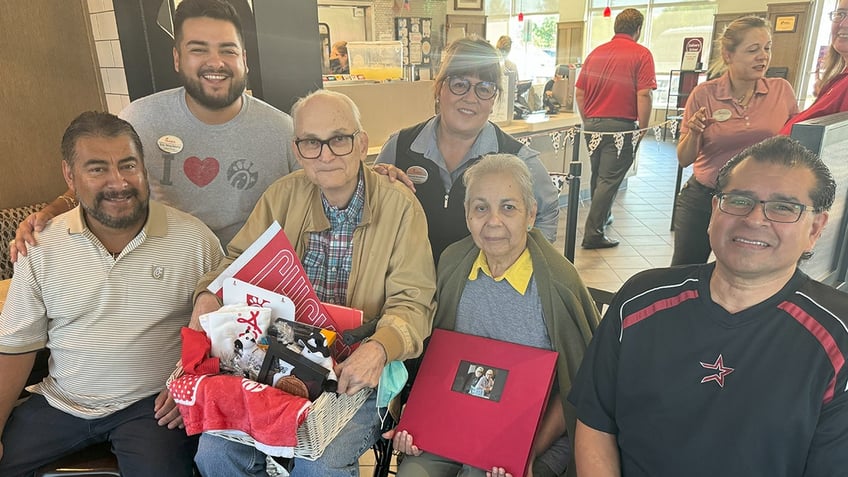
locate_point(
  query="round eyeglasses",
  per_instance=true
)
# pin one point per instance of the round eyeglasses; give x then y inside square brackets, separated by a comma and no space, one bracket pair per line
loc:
[837,16]
[485,90]
[774,210]
[311,148]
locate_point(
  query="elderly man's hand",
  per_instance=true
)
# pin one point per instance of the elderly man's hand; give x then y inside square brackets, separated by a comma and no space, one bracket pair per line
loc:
[362,369]
[206,302]
[167,412]
[25,234]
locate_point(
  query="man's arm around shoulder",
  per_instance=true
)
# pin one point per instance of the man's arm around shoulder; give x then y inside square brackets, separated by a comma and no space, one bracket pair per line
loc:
[595,453]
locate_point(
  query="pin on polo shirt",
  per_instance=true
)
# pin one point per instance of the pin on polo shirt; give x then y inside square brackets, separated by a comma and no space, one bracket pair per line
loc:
[170,144]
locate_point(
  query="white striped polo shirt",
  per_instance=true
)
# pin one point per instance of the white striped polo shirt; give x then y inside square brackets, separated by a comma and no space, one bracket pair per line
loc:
[112,325]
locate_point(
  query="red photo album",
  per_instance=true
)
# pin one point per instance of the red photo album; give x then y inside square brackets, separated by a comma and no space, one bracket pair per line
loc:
[479,401]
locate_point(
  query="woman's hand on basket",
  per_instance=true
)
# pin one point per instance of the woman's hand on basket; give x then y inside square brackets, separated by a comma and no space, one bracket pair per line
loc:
[362,369]
[402,442]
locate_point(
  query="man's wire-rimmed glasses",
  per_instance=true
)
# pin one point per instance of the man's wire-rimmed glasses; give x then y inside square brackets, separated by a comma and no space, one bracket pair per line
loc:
[311,148]
[485,90]
[837,16]
[774,210]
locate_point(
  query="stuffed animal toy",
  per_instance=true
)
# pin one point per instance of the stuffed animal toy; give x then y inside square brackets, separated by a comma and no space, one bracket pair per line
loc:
[316,349]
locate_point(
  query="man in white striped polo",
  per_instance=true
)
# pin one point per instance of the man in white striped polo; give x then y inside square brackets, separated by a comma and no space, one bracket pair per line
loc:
[106,289]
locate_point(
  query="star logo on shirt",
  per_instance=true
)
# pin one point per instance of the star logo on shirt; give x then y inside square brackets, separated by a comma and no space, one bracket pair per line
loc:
[721,371]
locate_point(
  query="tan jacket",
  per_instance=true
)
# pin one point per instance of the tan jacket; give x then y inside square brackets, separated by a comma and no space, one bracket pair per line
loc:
[392,275]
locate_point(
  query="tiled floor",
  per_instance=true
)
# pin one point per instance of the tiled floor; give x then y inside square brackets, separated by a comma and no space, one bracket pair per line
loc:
[642,218]
[642,215]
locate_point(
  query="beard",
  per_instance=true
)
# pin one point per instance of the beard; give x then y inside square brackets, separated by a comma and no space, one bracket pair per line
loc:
[195,89]
[136,215]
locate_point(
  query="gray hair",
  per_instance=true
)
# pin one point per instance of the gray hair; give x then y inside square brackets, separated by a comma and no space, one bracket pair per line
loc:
[508,164]
[470,56]
[301,102]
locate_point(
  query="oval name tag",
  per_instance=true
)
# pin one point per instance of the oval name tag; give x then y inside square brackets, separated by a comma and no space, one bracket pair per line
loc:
[722,115]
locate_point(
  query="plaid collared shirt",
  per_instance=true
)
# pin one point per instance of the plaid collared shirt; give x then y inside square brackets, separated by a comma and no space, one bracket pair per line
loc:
[328,254]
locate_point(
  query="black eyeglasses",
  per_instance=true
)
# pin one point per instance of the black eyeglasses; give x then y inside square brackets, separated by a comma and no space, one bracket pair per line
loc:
[837,16]
[775,210]
[341,145]
[485,90]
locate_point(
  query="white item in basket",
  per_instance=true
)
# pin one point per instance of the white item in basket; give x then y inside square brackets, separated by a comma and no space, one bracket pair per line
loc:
[234,331]
[238,291]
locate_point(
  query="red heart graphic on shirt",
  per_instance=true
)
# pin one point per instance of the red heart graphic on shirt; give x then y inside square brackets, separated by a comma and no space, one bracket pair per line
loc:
[201,172]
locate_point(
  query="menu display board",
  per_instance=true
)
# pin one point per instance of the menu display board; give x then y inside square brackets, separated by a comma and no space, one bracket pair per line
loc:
[414,35]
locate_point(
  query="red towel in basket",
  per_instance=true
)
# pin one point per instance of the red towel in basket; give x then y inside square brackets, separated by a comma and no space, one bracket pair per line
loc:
[232,403]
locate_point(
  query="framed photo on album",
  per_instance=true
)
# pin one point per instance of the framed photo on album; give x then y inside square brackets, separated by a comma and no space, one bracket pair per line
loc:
[468,5]
[470,392]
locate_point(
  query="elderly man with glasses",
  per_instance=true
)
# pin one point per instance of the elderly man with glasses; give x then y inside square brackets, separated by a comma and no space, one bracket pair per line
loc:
[733,368]
[363,243]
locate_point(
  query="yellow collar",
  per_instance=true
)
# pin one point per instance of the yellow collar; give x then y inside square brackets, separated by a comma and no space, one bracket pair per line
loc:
[518,274]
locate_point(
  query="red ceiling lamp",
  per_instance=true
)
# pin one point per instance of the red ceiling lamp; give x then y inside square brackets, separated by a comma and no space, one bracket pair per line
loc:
[520,12]
[607,11]
[521,16]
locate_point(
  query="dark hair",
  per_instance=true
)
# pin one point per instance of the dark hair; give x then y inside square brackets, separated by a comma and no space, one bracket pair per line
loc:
[96,124]
[217,9]
[628,21]
[470,56]
[783,151]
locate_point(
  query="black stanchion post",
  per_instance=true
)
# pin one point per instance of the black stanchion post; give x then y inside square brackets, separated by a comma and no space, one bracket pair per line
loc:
[574,171]
[676,191]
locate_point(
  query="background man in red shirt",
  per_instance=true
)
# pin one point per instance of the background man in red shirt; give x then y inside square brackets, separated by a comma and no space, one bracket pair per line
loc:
[613,92]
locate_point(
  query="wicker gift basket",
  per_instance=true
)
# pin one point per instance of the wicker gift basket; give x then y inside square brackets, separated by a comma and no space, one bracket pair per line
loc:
[327,416]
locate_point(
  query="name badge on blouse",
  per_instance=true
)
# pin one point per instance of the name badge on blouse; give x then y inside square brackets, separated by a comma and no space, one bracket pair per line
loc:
[722,115]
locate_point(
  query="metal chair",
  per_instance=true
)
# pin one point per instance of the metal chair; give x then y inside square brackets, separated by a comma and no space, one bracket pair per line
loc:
[602,298]
[97,460]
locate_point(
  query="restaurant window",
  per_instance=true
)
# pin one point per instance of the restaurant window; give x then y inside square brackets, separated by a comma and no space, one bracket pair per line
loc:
[816,51]
[533,39]
[667,23]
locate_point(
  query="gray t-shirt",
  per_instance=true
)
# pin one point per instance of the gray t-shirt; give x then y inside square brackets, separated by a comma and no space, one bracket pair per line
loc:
[214,172]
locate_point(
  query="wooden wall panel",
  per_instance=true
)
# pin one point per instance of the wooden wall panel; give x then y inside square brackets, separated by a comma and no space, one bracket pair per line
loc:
[787,47]
[49,75]
[569,42]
